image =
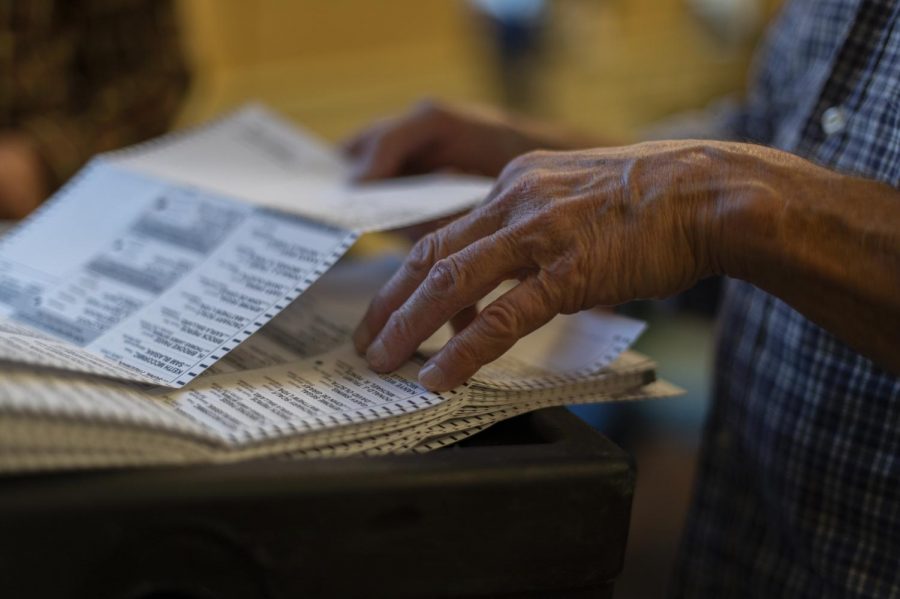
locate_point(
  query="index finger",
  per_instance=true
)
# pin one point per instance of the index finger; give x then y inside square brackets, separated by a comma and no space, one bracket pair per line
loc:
[428,250]
[518,312]
[384,149]
[454,283]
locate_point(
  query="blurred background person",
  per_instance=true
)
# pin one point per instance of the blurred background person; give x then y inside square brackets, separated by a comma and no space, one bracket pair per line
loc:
[79,77]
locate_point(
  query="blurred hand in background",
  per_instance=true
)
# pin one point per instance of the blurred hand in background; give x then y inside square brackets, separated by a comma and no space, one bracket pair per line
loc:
[436,136]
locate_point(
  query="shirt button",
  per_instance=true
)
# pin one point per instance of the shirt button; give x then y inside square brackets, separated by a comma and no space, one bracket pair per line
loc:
[834,120]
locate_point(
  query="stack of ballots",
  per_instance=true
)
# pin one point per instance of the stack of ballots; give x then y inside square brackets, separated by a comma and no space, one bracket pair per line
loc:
[183,302]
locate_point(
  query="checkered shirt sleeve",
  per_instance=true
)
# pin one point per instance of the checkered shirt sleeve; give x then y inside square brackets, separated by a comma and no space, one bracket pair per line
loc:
[798,493]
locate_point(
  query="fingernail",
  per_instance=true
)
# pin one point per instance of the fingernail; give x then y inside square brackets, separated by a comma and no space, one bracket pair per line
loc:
[362,337]
[376,356]
[432,377]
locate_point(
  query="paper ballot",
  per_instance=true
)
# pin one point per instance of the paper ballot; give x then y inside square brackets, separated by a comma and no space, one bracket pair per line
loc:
[571,347]
[154,262]
[296,388]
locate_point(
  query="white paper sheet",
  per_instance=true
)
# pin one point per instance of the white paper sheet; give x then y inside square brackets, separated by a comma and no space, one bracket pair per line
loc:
[318,321]
[43,394]
[568,347]
[121,269]
[255,155]
[329,390]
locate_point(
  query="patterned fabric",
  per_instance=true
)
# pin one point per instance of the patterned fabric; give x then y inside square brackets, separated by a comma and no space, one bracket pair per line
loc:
[84,76]
[799,484]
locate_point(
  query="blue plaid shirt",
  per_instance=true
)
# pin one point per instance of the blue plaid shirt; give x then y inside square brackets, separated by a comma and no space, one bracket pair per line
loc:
[799,484]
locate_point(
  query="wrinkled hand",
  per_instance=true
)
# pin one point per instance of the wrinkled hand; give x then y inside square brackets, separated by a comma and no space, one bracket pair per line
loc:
[22,177]
[578,229]
[434,136]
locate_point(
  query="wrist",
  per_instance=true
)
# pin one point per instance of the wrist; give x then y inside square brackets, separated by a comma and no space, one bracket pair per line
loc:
[769,216]
[745,225]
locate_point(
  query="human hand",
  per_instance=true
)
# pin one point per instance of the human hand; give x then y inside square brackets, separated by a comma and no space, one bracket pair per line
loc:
[578,229]
[434,136]
[22,178]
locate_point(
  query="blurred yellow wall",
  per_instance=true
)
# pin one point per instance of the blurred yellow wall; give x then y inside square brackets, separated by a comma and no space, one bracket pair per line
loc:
[612,65]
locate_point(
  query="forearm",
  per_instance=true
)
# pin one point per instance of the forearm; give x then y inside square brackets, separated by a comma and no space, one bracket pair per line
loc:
[825,243]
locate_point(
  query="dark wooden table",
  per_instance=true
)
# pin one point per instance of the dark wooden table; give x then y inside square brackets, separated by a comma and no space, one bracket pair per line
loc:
[537,506]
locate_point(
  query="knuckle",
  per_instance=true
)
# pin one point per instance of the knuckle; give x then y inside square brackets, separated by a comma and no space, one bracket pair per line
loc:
[532,157]
[509,243]
[547,290]
[567,272]
[528,160]
[515,166]
[540,229]
[539,156]
[563,268]
[549,218]
[445,276]
[423,255]
[500,320]
[557,221]
[523,180]
[518,195]
[527,183]
[498,205]
[399,326]
[464,353]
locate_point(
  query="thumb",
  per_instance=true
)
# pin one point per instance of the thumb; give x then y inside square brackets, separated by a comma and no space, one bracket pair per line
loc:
[378,158]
